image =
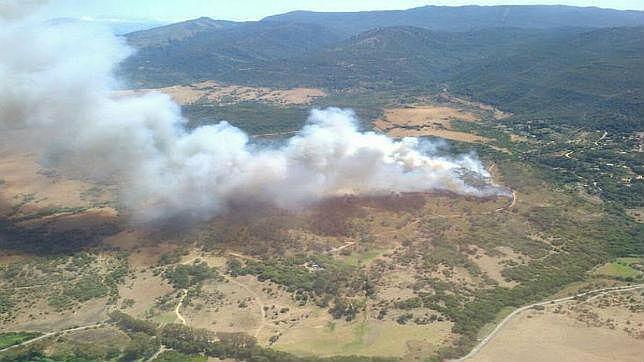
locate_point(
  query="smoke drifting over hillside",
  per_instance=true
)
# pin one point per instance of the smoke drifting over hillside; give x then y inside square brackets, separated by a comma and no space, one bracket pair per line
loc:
[56,80]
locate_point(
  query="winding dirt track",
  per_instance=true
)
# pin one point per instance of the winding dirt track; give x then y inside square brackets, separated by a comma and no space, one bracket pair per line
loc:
[176,309]
[489,337]
[340,248]
[511,204]
[158,353]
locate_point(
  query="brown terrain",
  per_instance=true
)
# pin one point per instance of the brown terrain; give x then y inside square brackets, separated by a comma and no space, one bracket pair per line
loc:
[426,120]
[230,94]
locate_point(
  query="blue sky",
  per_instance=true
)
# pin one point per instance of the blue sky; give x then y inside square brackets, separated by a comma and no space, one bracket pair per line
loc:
[174,10]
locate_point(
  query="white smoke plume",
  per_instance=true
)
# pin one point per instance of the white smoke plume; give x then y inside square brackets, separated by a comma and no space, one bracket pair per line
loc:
[56,80]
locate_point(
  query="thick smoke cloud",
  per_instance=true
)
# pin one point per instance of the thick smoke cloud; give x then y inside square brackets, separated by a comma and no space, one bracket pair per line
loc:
[56,81]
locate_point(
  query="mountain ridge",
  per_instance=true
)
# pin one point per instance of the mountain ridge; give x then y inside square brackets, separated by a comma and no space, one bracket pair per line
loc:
[470,17]
[545,72]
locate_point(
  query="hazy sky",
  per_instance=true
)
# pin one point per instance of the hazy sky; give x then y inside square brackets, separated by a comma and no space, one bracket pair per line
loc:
[256,9]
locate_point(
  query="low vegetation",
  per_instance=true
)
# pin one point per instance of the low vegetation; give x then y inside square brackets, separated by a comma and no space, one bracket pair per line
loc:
[12,338]
[183,276]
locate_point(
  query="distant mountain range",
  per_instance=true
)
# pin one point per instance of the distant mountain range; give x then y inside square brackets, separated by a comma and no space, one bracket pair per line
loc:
[438,18]
[467,18]
[585,64]
[117,26]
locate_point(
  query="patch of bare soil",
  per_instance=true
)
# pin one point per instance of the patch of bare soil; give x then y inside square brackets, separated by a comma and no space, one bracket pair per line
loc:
[637,214]
[139,293]
[230,94]
[33,193]
[99,335]
[244,304]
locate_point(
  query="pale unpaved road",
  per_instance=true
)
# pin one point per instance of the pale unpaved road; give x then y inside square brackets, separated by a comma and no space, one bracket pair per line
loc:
[489,337]
[241,256]
[50,334]
[275,134]
[602,137]
[184,293]
[158,353]
[176,309]
[511,205]
[340,248]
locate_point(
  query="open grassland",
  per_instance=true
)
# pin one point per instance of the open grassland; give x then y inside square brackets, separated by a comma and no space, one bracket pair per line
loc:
[372,337]
[631,269]
[426,120]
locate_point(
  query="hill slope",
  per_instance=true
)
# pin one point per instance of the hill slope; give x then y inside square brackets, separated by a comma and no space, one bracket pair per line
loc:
[224,54]
[579,75]
[595,77]
[178,31]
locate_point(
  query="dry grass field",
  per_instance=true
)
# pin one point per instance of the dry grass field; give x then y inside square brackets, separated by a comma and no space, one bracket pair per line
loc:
[426,120]
[608,328]
[230,94]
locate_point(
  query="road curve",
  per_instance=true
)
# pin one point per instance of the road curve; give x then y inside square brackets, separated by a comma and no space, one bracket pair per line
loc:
[176,309]
[511,204]
[489,337]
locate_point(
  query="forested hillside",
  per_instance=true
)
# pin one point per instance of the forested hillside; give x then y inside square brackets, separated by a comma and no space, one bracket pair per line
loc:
[594,78]
[582,76]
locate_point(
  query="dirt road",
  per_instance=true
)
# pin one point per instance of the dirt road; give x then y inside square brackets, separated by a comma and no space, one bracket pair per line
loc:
[340,248]
[511,204]
[50,334]
[176,309]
